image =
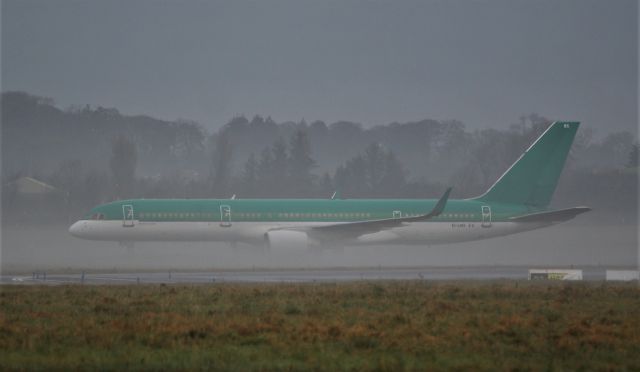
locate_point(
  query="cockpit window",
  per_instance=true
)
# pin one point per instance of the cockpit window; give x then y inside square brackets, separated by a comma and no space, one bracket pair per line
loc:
[97,216]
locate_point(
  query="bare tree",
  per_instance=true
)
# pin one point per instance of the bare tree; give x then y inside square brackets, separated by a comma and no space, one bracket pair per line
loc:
[300,164]
[124,158]
[221,166]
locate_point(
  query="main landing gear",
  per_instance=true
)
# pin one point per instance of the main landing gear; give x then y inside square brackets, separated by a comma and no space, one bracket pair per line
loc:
[128,245]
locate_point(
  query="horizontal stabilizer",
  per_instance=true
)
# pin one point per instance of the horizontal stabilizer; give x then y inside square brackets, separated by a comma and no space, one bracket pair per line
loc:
[552,216]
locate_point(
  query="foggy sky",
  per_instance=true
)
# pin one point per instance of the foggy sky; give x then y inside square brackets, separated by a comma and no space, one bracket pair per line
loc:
[482,62]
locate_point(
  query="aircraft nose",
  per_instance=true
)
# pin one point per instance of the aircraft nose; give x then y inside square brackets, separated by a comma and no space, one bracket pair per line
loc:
[76,228]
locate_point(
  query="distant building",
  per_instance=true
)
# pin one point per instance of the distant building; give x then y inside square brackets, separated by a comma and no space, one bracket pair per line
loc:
[27,186]
[27,200]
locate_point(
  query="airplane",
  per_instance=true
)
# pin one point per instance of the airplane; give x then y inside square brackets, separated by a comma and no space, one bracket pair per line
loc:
[518,201]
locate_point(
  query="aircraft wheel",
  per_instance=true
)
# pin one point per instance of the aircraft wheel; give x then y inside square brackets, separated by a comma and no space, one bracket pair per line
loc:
[128,245]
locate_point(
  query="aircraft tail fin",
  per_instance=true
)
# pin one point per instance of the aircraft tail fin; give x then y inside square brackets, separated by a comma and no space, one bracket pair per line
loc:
[532,179]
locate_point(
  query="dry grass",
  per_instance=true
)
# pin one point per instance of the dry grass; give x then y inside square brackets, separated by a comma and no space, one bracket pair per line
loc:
[359,326]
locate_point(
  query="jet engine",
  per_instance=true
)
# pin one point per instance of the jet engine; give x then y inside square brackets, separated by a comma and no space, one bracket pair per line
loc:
[281,241]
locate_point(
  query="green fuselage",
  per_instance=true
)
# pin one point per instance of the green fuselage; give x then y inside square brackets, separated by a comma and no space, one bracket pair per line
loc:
[299,210]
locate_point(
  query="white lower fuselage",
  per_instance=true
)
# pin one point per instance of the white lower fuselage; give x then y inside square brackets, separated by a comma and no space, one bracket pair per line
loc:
[415,233]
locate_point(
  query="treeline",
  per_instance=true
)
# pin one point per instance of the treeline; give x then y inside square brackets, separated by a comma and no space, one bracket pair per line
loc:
[94,155]
[37,137]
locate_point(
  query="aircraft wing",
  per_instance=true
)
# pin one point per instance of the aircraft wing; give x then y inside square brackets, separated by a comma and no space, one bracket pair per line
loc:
[559,215]
[352,230]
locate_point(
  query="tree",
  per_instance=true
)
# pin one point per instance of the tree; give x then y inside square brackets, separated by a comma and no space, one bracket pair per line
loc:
[325,186]
[124,158]
[189,141]
[633,156]
[93,189]
[279,163]
[300,164]
[68,180]
[250,177]
[393,179]
[263,173]
[376,173]
[351,178]
[221,166]
[375,166]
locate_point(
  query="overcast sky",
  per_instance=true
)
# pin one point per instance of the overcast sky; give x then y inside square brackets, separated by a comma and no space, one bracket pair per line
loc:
[482,62]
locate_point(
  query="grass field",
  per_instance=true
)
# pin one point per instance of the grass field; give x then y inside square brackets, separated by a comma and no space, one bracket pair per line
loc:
[350,326]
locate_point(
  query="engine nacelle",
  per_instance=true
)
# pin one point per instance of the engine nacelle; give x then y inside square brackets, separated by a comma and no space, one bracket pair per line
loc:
[287,241]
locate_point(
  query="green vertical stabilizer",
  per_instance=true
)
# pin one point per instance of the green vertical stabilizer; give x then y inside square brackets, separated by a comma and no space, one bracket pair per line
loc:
[532,179]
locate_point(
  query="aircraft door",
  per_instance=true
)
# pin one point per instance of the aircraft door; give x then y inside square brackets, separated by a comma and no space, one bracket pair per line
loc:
[127,215]
[225,216]
[486,216]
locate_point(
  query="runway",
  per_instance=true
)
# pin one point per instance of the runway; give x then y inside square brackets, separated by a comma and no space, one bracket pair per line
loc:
[285,276]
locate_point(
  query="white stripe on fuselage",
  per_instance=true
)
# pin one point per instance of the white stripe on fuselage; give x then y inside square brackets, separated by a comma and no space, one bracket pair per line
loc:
[253,232]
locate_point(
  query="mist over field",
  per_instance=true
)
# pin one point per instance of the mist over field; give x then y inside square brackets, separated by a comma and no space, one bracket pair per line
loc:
[27,249]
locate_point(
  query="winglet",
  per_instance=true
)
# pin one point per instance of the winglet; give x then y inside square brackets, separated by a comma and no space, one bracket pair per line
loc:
[441,204]
[434,212]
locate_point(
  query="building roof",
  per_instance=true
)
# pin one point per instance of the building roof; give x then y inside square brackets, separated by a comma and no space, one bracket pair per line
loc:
[31,186]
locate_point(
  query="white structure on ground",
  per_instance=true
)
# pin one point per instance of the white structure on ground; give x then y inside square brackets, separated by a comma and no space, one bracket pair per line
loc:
[554,274]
